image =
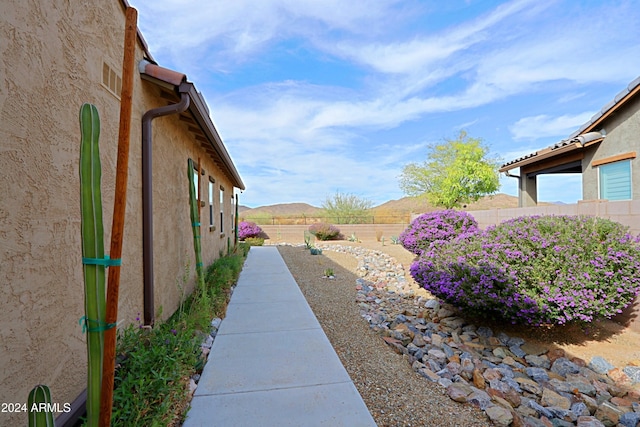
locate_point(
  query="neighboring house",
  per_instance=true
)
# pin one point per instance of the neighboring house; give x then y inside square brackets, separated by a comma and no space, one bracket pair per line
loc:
[57,55]
[604,150]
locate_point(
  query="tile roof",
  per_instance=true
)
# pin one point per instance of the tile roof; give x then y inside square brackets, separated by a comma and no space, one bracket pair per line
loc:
[199,112]
[584,134]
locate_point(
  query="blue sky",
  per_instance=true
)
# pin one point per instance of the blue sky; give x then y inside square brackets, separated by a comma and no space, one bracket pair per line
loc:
[317,96]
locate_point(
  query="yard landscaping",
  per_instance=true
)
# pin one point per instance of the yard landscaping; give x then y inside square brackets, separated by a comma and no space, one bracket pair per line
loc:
[419,361]
[389,386]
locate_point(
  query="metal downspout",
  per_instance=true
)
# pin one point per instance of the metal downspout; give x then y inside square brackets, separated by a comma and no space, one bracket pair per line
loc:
[147,196]
[519,186]
[511,176]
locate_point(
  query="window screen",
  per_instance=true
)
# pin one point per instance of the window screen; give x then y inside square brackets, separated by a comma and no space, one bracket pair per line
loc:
[615,180]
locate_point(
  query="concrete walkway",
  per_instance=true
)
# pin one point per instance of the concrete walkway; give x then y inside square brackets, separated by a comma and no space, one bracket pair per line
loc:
[271,363]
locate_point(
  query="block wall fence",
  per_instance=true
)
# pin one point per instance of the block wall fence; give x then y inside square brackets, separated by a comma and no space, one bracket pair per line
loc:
[624,212]
[366,232]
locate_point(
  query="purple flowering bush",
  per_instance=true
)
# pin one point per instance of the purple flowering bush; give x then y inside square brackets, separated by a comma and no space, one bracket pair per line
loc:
[433,226]
[324,231]
[536,270]
[247,229]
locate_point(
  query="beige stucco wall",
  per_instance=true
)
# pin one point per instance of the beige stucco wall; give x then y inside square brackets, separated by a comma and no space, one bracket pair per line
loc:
[47,72]
[365,232]
[623,136]
[173,235]
[51,62]
[624,212]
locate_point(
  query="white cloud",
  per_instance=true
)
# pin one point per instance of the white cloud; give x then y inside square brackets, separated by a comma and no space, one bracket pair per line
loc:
[241,28]
[300,141]
[543,126]
[417,55]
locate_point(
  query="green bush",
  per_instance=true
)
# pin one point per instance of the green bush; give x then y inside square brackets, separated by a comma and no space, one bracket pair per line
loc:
[536,270]
[347,209]
[242,248]
[254,241]
[324,231]
[154,365]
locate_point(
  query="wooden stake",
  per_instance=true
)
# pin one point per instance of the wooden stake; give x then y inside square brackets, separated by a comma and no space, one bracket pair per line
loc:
[119,205]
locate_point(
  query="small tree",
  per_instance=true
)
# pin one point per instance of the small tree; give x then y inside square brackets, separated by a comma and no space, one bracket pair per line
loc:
[346,208]
[456,172]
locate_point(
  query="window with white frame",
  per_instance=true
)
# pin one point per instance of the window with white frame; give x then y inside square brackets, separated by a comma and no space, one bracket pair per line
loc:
[211,213]
[221,209]
[233,211]
[195,181]
[615,180]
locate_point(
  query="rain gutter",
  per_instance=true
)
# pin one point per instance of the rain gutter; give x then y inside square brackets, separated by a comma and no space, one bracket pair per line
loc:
[147,194]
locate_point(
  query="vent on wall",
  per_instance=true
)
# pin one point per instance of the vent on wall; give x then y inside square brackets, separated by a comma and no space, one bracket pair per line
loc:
[111,80]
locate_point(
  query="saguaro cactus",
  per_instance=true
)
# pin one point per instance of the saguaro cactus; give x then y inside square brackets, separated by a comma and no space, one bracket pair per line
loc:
[40,414]
[92,255]
[195,225]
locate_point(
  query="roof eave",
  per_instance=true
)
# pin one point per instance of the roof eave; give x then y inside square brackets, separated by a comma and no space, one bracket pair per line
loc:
[618,102]
[587,134]
[581,141]
[177,82]
[541,155]
[200,112]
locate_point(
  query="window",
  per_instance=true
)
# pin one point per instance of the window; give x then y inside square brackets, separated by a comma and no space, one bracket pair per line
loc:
[233,211]
[211,215]
[221,209]
[615,180]
[195,181]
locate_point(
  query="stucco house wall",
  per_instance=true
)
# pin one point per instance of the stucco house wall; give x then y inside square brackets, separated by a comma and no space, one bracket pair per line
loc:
[173,235]
[611,135]
[622,136]
[53,55]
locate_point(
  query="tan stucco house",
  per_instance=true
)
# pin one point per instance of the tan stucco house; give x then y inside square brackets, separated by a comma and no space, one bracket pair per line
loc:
[55,56]
[603,150]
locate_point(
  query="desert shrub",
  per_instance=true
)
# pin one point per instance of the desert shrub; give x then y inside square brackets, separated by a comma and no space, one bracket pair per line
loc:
[537,270]
[347,208]
[254,241]
[433,226]
[248,229]
[261,218]
[324,231]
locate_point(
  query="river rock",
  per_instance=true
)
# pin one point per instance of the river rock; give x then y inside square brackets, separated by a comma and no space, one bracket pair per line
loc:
[630,419]
[459,392]
[529,385]
[589,422]
[609,414]
[551,398]
[505,376]
[499,415]
[633,372]
[600,365]
[564,366]
[538,361]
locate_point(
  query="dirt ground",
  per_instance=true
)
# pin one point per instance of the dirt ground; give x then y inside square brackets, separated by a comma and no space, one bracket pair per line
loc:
[617,340]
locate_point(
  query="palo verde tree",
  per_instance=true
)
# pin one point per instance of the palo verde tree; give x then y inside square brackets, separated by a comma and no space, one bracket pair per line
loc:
[456,172]
[346,208]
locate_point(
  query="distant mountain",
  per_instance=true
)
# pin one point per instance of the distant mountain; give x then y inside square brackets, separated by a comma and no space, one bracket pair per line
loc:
[419,205]
[283,209]
[404,205]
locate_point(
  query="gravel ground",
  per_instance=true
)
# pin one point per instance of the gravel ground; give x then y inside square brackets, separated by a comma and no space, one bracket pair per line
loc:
[393,392]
